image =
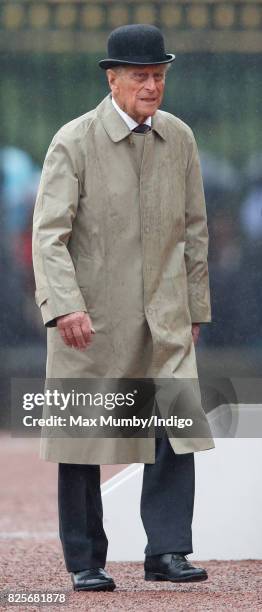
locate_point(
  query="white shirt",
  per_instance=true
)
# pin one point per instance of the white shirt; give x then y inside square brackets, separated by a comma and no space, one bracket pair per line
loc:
[128,120]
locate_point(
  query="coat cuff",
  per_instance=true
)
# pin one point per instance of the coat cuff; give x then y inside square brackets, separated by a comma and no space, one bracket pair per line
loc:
[199,305]
[50,312]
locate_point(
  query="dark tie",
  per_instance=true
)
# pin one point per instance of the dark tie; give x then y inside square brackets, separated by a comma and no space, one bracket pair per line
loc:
[142,128]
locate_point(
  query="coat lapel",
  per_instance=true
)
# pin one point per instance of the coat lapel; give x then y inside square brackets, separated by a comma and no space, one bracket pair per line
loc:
[116,127]
[113,123]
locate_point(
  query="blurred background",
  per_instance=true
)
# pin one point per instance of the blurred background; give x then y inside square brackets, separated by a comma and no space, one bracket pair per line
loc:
[49,51]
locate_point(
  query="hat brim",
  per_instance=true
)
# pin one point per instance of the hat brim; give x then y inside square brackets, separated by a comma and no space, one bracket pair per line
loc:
[110,63]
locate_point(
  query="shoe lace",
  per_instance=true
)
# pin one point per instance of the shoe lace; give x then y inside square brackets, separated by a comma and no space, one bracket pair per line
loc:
[183,559]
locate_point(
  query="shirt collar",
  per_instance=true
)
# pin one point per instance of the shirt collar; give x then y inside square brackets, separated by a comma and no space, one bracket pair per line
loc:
[128,120]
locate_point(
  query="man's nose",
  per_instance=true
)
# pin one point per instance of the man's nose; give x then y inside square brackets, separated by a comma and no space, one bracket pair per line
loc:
[150,83]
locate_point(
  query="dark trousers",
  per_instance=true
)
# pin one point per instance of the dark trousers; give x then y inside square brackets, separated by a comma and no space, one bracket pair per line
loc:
[167,502]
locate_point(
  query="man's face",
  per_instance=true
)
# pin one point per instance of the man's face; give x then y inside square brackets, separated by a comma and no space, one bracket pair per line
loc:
[138,90]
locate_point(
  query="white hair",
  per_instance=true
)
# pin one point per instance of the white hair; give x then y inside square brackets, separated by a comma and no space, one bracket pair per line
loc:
[122,67]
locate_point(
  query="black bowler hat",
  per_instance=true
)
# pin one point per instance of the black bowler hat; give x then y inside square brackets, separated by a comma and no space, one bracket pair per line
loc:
[137,44]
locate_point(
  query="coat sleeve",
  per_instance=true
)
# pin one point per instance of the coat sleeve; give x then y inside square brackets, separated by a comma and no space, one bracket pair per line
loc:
[57,291]
[196,241]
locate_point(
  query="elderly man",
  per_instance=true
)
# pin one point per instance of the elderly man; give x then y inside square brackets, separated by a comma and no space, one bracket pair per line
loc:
[120,256]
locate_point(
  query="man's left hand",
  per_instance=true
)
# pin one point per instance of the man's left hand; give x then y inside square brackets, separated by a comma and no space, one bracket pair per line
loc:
[195,331]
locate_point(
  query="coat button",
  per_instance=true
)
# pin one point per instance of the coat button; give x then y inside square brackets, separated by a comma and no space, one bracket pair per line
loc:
[147,229]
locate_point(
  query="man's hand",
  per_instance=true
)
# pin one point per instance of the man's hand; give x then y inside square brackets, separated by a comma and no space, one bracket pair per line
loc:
[76,329]
[195,331]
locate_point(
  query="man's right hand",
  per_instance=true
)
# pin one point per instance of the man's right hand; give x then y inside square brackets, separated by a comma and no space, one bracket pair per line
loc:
[76,329]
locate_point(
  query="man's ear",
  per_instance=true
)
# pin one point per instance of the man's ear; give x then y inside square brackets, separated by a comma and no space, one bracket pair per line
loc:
[111,77]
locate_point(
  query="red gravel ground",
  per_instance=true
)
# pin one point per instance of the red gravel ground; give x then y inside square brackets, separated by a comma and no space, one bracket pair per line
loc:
[34,562]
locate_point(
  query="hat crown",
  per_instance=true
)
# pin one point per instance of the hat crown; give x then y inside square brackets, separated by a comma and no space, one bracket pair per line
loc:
[136,40]
[139,44]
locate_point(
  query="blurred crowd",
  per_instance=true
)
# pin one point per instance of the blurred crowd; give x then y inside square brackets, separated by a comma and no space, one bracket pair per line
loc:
[19,179]
[234,208]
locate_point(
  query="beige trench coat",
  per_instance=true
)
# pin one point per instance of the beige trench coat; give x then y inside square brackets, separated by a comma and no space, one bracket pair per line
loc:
[129,248]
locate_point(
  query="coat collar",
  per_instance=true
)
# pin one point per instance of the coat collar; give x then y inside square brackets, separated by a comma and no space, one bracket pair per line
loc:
[116,127]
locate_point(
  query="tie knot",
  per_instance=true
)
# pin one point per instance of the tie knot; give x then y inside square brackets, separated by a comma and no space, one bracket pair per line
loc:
[142,128]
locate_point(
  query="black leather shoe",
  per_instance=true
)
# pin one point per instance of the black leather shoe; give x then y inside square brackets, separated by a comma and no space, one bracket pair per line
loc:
[174,567]
[94,579]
